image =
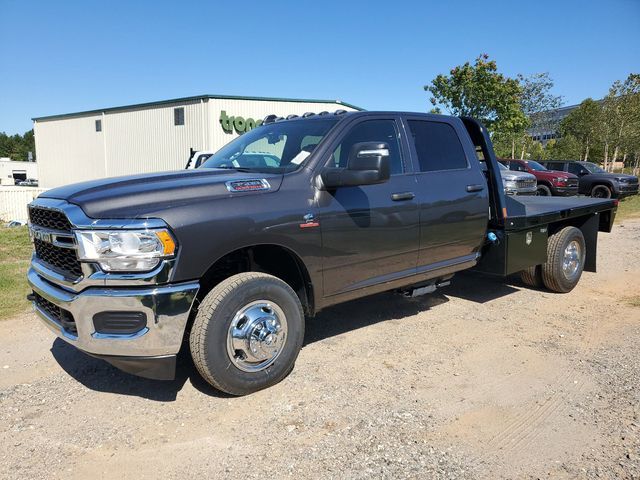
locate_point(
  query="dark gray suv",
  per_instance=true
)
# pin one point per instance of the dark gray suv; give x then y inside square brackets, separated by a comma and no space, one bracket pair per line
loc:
[595,181]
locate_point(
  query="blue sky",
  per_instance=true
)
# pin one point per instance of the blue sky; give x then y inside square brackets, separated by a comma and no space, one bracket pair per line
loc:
[59,57]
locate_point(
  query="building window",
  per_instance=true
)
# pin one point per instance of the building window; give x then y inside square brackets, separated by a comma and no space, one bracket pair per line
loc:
[178,116]
[98,125]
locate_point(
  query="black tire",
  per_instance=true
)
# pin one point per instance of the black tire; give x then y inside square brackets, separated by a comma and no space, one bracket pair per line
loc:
[211,330]
[543,191]
[532,276]
[556,278]
[601,191]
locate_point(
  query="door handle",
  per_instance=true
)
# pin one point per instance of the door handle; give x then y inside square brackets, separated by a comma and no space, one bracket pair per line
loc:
[475,188]
[398,197]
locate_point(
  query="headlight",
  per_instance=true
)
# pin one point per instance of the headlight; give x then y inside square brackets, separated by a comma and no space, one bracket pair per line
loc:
[561,179]
[125,250]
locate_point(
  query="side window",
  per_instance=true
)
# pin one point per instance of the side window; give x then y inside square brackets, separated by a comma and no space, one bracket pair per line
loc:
[437,145]
[370,131]
[555,166]
[575,168]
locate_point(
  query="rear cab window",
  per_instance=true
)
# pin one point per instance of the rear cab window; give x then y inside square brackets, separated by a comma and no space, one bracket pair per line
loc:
[437,146]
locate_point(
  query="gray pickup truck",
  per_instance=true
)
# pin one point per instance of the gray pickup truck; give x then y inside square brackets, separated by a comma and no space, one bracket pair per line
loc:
[289,218]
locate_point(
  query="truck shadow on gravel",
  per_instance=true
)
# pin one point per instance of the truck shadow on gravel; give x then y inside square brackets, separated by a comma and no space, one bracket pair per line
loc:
[100,376]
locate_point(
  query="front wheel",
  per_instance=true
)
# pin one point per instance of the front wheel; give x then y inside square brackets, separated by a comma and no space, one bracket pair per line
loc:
[565,260]
[543,191]
[601,191]
[247,333]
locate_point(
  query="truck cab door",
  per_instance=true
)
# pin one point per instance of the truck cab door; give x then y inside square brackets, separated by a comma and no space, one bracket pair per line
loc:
[369,232]
[452,192]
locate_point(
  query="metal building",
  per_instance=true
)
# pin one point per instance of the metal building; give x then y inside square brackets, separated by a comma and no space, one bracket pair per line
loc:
[150,137]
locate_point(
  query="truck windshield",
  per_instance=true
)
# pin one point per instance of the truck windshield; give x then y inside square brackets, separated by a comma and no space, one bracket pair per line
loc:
[273,148]
[535,166]
[593,168]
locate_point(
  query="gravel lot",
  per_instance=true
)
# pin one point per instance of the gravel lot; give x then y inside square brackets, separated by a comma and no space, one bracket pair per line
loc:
[486,379]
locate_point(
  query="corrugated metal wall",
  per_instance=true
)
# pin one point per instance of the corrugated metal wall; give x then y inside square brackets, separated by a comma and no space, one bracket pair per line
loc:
[147,140]
[14,201]
[69,150]
[140,140]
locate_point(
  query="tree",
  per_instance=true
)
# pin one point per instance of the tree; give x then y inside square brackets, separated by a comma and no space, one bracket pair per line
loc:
[563,148]
[537,103]
[583,124]
[480,91]
[17,147]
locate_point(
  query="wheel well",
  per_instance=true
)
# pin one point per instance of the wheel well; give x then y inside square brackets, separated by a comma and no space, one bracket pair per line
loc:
[546,183]
[272,259]
[602,184]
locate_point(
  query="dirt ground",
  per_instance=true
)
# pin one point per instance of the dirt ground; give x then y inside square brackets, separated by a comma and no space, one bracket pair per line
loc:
[486,379]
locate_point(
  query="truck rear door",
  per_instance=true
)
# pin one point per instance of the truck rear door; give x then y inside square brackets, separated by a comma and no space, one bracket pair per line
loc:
[452,191]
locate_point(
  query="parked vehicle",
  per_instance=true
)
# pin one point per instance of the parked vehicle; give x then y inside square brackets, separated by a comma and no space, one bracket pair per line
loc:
[517,183]
[197,158]
[29,182]
[15,223]
[230,257]
[595,181]
[550,182]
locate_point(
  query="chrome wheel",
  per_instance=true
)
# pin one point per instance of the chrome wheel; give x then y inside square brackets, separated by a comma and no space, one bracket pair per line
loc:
[571,260]
[257,335]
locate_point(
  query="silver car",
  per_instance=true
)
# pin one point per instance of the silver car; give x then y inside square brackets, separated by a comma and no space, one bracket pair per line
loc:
[517,183]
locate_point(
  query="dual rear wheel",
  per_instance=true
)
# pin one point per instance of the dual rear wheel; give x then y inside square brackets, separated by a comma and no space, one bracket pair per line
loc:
[565,262]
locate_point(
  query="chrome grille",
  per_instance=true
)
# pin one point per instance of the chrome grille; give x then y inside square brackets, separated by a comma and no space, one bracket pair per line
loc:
[61,259]
[526,183]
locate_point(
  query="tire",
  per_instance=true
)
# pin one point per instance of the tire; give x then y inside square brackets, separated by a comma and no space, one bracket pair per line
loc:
[543,191]
[601,191]
[565,245]
[249,304]
[532,276]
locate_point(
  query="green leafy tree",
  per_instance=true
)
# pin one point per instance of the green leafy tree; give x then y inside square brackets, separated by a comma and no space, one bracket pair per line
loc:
[17,147]
[584,124]
[567,147]
[537,103]
[480,91]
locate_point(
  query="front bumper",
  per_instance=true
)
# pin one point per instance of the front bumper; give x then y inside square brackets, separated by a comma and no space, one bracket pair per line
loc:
[626,189]
[166,308]
[564,191]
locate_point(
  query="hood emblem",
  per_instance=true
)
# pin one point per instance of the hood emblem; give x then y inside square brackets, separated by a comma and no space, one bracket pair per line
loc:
[252,185]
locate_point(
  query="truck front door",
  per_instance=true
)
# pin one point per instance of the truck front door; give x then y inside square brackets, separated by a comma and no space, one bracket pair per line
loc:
[452,192]
[370,232]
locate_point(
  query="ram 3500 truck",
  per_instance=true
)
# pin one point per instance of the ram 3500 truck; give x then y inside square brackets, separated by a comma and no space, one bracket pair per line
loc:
[289,218]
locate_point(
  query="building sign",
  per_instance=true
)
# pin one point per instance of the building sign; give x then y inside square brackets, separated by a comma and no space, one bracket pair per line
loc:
[239,124]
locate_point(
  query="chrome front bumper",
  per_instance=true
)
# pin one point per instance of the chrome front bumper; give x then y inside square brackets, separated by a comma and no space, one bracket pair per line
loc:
[166,307]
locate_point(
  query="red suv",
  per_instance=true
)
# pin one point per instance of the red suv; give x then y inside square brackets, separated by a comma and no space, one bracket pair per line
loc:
[550,182]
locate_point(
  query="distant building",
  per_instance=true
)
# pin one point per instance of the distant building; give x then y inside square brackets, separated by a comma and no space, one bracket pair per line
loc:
[552,127]
[12,172]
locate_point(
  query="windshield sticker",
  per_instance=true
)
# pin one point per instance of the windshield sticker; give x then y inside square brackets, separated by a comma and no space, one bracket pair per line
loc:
[301,157]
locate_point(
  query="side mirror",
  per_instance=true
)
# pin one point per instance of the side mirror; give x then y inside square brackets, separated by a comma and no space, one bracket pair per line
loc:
[368,164]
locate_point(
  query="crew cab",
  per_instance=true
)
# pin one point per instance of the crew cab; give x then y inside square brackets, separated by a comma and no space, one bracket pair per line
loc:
[549,182]
[230,258]
[595,181]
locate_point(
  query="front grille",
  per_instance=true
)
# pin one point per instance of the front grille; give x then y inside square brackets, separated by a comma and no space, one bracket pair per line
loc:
[47,218]
[64,260]
[526,183]
[572,182]
[60,315]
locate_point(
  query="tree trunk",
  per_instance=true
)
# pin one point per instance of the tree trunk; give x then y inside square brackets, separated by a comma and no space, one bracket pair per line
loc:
[513,148]
[606,155]
[524,149]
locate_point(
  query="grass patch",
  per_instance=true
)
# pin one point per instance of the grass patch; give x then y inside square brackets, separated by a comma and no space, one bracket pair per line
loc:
[629,208]
[634,300]
[15,254]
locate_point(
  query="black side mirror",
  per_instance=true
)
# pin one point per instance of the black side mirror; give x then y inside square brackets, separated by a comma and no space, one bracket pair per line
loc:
[368,164]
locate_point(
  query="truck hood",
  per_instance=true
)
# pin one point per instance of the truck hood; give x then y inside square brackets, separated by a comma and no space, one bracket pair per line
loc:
[512,175]
[140,196]
[612,176]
